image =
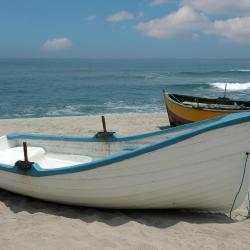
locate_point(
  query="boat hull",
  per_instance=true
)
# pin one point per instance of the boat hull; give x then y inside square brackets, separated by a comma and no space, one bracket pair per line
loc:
[179,113]
[202,172]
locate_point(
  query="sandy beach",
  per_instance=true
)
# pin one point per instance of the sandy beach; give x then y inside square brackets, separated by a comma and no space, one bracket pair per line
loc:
[32,224]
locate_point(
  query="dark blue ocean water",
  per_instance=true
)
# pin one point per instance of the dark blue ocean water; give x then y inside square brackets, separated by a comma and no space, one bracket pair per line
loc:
[64,87]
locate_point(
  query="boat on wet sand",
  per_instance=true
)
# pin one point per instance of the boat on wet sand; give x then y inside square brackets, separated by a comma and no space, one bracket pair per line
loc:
[198,165]
[184,109]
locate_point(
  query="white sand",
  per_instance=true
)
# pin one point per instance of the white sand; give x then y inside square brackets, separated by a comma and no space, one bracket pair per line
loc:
[32,224]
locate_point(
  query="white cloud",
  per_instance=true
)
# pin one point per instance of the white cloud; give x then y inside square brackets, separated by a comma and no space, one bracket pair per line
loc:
[56,44]
[157,2]
[91,17]
[120,16]
[219,6]
[188,22]
[140,14]
[185,21]
[234,29]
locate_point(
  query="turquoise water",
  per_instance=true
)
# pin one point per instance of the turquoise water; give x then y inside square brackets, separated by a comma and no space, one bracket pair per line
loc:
[64,87]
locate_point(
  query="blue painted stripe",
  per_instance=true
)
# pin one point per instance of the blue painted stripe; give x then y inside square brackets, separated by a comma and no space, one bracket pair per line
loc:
[204,126]
[115,137]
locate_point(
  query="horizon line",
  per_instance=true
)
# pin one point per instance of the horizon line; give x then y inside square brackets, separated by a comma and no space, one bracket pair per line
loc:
[124,58]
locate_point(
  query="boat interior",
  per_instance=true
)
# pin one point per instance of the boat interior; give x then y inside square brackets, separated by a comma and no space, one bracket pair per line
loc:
[216,103]
[51,152]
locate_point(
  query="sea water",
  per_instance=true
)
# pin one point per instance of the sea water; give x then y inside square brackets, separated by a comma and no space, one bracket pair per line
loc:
[66,87]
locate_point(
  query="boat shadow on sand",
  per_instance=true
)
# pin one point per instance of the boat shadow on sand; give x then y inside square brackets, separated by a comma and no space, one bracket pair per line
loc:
[162,218]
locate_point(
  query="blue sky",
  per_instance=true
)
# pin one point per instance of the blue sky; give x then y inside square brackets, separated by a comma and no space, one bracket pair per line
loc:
[125,28]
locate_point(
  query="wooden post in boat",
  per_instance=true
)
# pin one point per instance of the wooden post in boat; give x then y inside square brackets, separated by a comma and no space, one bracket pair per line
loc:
[104,124]
[197,103]
[25,152]
[104,133]
[225,90]
[26,164]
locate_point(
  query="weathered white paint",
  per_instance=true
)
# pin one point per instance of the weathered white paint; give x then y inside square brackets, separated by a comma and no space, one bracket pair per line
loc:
[203,172]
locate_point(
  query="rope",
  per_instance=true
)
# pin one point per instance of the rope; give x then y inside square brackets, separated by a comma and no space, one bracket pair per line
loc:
[242,179]
[248,205]
[176,98]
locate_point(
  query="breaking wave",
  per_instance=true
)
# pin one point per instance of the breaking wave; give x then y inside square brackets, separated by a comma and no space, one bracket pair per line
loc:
[240,70]
[231,86]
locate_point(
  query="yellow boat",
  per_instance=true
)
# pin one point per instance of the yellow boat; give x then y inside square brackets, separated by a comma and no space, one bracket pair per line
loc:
[185,109]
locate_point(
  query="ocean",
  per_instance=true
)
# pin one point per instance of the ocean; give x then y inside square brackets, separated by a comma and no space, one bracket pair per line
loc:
[66,87]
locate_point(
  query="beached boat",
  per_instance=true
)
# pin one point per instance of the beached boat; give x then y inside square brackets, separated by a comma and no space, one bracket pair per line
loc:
[185,109]
[197,165]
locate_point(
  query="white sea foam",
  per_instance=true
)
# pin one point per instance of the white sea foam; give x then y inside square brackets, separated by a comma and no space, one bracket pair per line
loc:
[122,106]
[241,70]
[156,76]
[108,107]
[67,110]
[231,86]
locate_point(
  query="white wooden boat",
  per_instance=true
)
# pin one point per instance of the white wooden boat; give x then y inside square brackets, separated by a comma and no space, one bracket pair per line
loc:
[198,166]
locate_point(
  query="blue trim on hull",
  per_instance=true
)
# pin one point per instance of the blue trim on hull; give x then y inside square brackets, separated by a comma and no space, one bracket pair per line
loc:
[204,126]
[115,137]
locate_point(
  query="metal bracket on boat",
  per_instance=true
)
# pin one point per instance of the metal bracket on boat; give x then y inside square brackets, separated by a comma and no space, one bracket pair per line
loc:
[26,164]
[104,133]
